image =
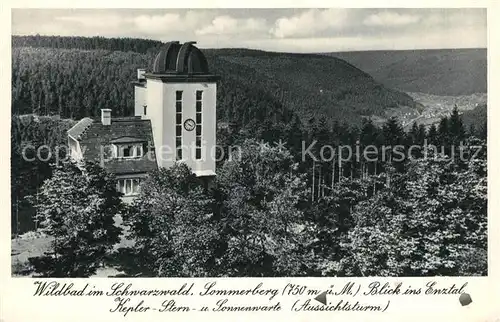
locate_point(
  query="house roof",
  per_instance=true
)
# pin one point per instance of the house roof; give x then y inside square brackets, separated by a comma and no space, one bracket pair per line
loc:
[77,130]
[96,139]
[128,166]
[127,139]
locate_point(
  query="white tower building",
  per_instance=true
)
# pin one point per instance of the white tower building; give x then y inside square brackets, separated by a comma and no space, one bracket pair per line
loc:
[178,96]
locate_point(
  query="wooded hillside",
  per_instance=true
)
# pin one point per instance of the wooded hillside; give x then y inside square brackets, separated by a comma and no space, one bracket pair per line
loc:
[439,71]
[96,73]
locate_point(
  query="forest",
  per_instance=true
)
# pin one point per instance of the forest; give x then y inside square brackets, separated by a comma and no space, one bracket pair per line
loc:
[47,81]
[270,212]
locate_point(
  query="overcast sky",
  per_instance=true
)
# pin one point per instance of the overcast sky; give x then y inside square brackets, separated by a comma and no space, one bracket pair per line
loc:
[291,30]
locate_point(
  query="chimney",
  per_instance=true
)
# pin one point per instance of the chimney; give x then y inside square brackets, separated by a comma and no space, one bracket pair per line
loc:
[106,116]
[140,74]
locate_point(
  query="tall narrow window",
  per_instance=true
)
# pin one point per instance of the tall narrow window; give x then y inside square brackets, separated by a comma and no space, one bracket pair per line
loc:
[178,124]
[139,151]
[199,102]
[145,109]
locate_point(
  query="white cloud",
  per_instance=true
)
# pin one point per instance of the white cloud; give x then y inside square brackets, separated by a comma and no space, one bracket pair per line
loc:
[226,25]
[85,24]
[168,22]
[157,24]
[458,19]
[310,22]
[388,18]
[94,21]
[196,18]
[455,38]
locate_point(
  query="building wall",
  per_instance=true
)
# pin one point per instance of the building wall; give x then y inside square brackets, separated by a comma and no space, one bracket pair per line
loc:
[161,101]
[75,150]
[139,100]
[154,100]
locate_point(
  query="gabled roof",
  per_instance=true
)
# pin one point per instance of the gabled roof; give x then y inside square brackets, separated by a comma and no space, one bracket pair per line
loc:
[96,139]
[79,128]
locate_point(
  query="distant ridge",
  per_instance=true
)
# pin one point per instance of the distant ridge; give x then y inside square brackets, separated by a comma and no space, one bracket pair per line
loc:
[433,71]
[138,45]
[401,50]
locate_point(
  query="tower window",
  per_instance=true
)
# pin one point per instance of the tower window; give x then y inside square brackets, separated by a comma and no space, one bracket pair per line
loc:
[178,124]
[198,148]
[178,148]
[199,102]
[145,109]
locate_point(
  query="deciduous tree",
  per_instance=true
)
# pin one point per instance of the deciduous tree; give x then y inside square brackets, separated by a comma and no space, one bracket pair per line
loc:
[76,207]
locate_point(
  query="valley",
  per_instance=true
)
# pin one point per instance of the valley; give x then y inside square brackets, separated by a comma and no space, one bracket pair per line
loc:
[436,80]
[431,108]
[434,107]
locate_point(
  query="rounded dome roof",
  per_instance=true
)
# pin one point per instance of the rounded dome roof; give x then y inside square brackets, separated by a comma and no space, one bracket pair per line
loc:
[180,59]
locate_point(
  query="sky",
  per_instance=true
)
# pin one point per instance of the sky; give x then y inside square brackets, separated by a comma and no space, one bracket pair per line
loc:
[286,30]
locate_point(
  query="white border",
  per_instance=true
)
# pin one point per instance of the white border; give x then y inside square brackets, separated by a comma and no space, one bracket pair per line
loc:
[17,304]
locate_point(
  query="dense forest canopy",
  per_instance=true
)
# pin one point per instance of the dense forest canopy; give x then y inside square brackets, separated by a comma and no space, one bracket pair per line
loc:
[75,77]
[88,43]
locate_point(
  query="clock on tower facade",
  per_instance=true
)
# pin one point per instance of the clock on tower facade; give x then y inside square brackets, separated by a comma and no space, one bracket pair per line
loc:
[178,96]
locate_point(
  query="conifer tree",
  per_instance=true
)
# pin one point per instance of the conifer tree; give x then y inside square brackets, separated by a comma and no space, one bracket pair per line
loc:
[443,131]
[472,130]
[393,132]
[456,128]
[421,134]
[432,135]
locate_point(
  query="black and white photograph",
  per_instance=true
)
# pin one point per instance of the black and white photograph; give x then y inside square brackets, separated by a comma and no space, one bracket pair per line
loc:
[307,142]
